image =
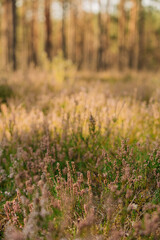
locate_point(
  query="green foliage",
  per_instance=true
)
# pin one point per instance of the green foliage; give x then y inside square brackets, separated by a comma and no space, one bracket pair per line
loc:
[64,70]
[6,92]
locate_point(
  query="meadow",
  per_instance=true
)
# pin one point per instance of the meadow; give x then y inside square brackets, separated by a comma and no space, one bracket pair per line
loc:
[79,155]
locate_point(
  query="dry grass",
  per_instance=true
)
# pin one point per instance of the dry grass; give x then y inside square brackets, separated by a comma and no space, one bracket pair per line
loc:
[80,159]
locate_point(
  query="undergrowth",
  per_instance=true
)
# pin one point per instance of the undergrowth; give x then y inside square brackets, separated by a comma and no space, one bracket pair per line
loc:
[79,163]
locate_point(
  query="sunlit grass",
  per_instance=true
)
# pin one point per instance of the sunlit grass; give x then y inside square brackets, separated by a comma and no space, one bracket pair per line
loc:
[77,159]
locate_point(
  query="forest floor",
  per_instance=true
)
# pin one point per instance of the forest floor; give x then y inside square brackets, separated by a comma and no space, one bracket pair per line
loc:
[79,156]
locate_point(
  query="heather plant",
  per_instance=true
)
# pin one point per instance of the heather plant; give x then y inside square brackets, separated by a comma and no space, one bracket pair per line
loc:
[76,162]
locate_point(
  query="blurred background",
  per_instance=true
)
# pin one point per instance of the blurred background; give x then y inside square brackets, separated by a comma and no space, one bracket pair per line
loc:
[96,35]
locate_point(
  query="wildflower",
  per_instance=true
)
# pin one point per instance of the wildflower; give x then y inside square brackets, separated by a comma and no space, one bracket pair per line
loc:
[113,187]
[129,193]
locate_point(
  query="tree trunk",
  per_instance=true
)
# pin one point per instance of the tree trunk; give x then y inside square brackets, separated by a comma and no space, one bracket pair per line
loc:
[48,24]
[133,36]
[25,35]
[34,33]
[141,30]
[100,41]
[14,34]
[64,29]
[107,37]
[74,27]
[121,35]
[7,31]
[4,37]
[80,36]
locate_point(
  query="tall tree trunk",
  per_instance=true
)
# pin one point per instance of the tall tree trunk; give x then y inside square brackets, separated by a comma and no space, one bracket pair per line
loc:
[64,46]
[100,41]
[121,35]
[25,35]
[7,32]
[4,37]
[34,33]
[103,37]
[48,25]
[107,37]
[90,47]
[141,31]
[74,29]
[133,36]
[14,34]
[81,48]
[80,36]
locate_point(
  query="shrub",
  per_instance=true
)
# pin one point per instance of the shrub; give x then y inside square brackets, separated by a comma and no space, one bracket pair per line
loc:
[6,92]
